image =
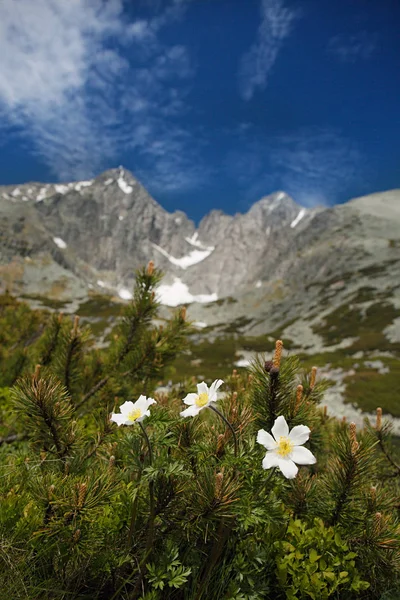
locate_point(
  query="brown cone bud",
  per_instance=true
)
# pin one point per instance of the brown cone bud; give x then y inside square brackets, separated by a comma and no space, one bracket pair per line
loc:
[278,353]
[82,489]
[353,438]
[76,325]
[313,377]
[219,479]
[220,444]
[150,268]
[378,419]
[77,535]
[299,396]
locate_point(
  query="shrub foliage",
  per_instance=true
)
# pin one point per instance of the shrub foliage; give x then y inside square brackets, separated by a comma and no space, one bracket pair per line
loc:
[178,508]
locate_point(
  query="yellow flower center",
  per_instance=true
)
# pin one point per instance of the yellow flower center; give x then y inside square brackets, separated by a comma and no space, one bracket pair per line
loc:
[285,446]
[134,415]
[202,399]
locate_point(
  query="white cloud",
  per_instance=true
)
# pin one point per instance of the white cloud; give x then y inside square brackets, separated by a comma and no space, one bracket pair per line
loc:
[350,48]
[67,79]
[256,65]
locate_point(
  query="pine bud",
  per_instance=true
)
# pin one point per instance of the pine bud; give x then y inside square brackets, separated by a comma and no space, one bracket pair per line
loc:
[76,536]
[111,464]
[36,374]
[268,365]
[299,396]
[353,438]
[150,268]
[378,522]
[378,419]
[51,491]
[313,377]
[219,479]
[82,489]
[373,493]
[60,317]
[325,411]
[183,313]
[220,444]
[76,325]
[234,374]
[278,353]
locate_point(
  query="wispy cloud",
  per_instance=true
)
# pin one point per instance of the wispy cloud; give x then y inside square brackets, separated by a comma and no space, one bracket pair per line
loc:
[255,66]
[86,81]
[312,165]
[350,48]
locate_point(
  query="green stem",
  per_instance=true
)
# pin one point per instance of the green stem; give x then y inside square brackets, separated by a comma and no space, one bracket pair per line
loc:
[228,424]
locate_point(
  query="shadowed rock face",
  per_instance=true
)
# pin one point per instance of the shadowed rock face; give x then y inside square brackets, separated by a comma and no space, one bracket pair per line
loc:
[83,233]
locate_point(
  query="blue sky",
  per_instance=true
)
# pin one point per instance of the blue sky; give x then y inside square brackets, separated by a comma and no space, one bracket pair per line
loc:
[210,103]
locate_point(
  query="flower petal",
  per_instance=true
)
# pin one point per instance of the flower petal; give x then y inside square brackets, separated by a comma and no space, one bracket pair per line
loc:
[271,459]
[299,434]
[280,428]
[126,407]
[190,399]
[266,439]
[118,419]
[214,386]
[192,411]
[302,456]
[202,388]
[150,401]
[141,403]
[287,467]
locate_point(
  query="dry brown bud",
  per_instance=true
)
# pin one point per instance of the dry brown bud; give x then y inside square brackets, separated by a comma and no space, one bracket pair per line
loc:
[77,535]
[268,365]
[344,419]
[234,374]
[37,371]
[111,463]
[299,396]
[76,325]
[220,444]
[82,489]
[373,493]
[313,377]
[353,438]
[278,353]
[150,268]
[378,522]
[378,419]
[219,479]
[325,411]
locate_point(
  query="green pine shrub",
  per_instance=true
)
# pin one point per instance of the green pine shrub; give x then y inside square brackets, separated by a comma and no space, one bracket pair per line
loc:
[172,507]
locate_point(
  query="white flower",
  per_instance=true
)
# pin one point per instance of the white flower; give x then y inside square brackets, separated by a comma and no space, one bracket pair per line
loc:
[205,395]
[285,449]
[133,412]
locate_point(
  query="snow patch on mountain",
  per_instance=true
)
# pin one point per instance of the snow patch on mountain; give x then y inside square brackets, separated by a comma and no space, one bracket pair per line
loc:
[125,187]
[82,184]
[60,243]
[16,192]
[193,258]
[125,294]
[42,194]
[178,293]
[298,218]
